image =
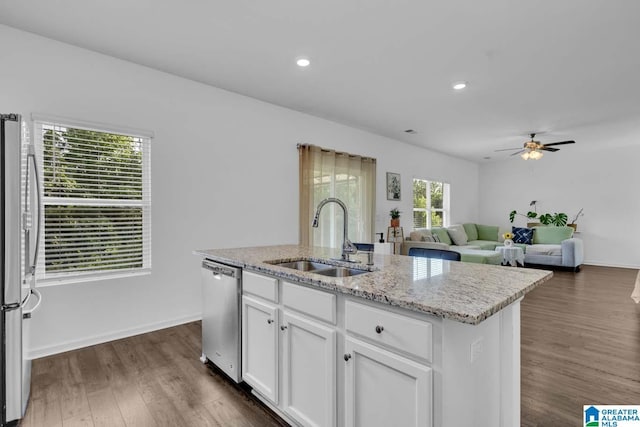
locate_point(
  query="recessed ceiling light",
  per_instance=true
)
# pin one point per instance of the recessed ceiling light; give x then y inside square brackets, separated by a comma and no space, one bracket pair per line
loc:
[459,85]
[303,62]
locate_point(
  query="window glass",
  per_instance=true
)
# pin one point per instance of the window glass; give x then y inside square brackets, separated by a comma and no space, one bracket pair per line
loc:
[430,204]
[96,202]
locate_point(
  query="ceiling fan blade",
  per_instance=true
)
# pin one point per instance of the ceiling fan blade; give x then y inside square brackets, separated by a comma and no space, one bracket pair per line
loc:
[559,143]
[545,148]
[519,152]
[509,149]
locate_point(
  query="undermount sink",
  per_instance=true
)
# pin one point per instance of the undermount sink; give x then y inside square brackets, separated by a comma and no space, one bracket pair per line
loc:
[340,272]
[305,265]
[320,268]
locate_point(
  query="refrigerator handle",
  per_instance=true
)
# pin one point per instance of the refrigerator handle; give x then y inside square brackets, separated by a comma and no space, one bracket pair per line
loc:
[32,155]
[26,313]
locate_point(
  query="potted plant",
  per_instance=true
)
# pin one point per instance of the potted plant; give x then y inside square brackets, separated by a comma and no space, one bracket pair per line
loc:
[529,215]
[558,219]
[573,224]
[395,217]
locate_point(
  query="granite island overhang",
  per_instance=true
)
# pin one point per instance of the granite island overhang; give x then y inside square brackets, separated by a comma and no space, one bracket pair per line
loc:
[464,292]
[411,341]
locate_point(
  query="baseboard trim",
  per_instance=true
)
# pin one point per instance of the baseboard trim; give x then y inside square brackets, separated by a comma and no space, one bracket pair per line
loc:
[50,350]
[600,264]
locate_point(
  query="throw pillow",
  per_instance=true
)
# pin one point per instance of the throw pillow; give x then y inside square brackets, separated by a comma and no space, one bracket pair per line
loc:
[419,234]
[487,232]
[457,234]
[442,235]
[429,238]
[522,235]
[471,230]
[435,238]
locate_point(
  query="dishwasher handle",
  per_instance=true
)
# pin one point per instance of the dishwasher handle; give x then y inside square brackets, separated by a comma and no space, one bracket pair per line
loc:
[219,268]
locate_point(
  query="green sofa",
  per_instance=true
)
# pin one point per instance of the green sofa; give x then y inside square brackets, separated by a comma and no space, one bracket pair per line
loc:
[475,242]
[555,246]
[551,246]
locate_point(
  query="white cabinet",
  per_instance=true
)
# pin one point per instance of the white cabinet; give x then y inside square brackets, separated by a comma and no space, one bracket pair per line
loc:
[291,336]
[308,371]
[322,358]
[383,386]
[260,346]
[385,389]
[387,329]
[294,333]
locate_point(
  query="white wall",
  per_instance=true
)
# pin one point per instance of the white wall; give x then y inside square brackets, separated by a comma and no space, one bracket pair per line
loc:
[224,173]
[603,181]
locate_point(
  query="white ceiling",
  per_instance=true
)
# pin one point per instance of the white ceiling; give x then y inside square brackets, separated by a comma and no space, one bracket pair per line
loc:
[568,68]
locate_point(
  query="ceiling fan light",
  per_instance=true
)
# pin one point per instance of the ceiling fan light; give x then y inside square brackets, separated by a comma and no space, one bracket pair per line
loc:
[525,155]
[536,155]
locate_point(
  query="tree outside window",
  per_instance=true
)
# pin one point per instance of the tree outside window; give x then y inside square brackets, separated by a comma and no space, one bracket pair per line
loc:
[96,200]
[430,204]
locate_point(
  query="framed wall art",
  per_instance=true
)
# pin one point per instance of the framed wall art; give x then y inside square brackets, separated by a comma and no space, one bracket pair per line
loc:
[393,186]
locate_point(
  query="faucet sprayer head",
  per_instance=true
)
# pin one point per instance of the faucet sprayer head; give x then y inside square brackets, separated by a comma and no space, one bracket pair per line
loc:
[315,220]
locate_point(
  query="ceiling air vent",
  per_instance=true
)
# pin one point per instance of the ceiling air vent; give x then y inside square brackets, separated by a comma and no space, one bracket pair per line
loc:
[411,131]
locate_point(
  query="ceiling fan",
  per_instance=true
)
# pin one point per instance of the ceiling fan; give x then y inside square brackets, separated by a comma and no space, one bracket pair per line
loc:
[534,149]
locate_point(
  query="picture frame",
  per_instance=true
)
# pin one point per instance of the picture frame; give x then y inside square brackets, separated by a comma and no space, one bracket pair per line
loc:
[393,186]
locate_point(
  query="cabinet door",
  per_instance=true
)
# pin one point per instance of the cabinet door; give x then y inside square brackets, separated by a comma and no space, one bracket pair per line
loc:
[384,389]
[260,346]
[309,371]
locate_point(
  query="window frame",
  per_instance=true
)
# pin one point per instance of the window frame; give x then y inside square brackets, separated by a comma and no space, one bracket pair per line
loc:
[429,209]
[44,278]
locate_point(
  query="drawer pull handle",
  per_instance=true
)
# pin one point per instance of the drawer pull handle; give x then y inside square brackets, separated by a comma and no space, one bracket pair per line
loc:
[347,357]
[270,321]
[379,329]
[283,327]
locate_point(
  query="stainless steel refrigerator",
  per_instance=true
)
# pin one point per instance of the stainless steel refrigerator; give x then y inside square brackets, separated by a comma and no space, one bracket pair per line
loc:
[19,241]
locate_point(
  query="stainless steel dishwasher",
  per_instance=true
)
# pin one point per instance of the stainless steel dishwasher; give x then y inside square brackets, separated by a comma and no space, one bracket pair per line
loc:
[221,297]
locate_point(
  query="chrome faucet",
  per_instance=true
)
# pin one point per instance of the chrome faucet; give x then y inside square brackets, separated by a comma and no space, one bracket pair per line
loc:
[347,247]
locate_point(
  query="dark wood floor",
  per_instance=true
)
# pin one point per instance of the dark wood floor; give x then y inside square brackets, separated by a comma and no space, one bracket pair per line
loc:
[154,379]
[580,345]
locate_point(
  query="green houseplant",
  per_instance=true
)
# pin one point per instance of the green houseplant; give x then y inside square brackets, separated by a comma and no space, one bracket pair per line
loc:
[529,215]
[558,219]
[395,217]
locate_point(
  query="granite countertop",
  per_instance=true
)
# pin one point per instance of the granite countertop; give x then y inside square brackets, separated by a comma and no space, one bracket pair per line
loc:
[460,291]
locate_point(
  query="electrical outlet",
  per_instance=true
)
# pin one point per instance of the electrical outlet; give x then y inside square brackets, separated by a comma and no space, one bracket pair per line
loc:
[475,350]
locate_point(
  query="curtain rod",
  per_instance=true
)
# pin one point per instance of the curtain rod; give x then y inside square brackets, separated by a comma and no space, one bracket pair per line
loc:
[328,150]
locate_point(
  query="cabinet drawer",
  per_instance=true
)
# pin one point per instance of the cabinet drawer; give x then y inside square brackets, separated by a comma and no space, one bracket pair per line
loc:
[319,304]
[399,332]
[262,286]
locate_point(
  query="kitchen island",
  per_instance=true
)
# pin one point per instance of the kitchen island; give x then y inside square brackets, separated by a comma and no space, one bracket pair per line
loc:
[410,341]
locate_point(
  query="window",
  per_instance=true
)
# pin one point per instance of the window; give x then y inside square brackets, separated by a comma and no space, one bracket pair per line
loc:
[430,204]
[350,178]
[96,202]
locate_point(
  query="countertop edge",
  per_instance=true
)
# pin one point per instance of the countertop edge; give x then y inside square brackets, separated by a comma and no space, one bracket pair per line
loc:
[326,284]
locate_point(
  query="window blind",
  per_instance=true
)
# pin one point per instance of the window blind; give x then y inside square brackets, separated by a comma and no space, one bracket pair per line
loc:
[96,202]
